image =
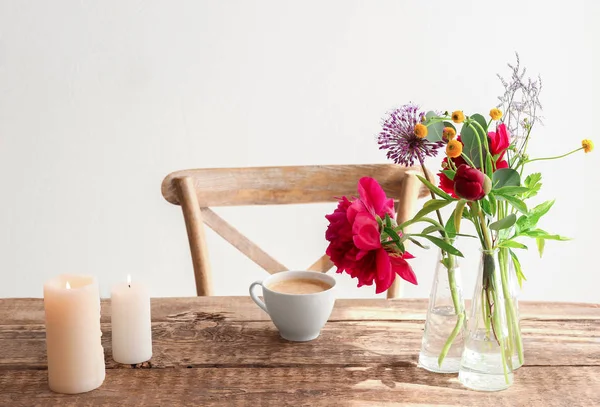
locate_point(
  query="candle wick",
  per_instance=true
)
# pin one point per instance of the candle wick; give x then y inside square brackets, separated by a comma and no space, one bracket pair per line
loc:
[129,285]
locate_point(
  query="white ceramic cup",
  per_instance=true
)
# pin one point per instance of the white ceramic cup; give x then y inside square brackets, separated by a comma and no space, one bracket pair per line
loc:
[298,317]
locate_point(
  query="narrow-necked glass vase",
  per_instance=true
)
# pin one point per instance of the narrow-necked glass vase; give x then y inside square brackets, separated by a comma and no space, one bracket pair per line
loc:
[487,357]
[443,337]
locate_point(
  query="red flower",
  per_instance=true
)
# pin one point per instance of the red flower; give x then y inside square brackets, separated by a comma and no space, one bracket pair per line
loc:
[355,239]
[446,184]
[499,142]
[469,183]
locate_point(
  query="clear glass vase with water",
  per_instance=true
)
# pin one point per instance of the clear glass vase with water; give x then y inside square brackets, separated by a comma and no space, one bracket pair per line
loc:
[443,337]
[487,360]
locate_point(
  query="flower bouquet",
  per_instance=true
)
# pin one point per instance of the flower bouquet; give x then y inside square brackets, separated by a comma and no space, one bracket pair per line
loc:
[483,181]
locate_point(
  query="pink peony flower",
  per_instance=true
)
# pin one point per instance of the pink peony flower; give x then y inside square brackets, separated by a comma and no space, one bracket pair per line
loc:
[354,239]
[499,142]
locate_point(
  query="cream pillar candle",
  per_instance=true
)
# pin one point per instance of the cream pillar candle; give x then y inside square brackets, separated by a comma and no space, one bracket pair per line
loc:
[131,324]
[75,353]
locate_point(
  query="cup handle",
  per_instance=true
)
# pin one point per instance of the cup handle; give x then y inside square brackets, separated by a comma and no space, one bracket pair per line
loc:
[255,297]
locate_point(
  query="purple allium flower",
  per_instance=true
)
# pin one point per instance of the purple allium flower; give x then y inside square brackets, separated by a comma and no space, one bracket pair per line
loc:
[398,137]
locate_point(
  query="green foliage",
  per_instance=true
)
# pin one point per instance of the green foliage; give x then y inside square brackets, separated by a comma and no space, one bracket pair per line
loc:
[505,223]
[416,242]
[541,243]
[458,214]
[430,206]
[533,184]
[505,177]
[542,234]
[450,174]
[441,243]
[493,203]
[437,191]
[431,229]
[434,130]
[450,226]
[518,269]
[511,190]
[471,146]
[512,244]
[530,220]
[486,207]
[516,203]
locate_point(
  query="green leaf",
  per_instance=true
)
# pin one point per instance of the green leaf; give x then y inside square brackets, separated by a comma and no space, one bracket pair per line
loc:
[489,166]
[415,220]
[431,229]
[471,149]
[512,244]
[435,131]
[421,245]
[508,190]
[530,220]
[392,233]
[435,189]
[541,243]
[493,203]
[505,223]
[533,183]
[505,177]
[388,220]
[450,174]
[481,120]
[442,244]
[542,234]
[458,213]
[430,206]
[515,202]
[450,226]
[518,269]
[485,205]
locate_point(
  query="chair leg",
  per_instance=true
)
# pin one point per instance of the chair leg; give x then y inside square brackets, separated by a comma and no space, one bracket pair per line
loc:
[195,230]
[409,193]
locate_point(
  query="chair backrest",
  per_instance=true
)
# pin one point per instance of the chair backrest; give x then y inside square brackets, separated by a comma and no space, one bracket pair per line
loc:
[197,190]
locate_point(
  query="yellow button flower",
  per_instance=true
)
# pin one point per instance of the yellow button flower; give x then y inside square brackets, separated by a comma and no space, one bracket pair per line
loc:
[421,130]
[448,133]
[454,148]
[588,145]
[458,116]
[496,114]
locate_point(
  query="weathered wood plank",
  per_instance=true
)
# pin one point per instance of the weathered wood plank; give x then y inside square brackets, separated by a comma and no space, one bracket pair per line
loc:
[323,264]
[314,386]
[405,211]
[23,311]
[208,340]
[194,226]
[283,185]
[241,242]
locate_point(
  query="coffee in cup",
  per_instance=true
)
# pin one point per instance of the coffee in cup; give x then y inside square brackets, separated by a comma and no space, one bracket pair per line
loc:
[298,302]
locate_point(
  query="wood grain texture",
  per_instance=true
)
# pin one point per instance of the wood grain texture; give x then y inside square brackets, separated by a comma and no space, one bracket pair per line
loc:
[323,264]
[283,185]
[385,385]
[241,242]
[196,237]
[224,351]
[30,311]
[405,211]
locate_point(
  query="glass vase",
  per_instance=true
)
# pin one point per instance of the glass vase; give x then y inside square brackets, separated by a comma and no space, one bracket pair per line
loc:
[443,337]
[486,363]
[514,289]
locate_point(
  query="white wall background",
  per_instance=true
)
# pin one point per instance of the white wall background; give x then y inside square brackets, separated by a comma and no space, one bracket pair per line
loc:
[99,100]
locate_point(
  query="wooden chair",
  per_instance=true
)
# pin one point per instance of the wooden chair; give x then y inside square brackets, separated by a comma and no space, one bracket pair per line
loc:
[197,190]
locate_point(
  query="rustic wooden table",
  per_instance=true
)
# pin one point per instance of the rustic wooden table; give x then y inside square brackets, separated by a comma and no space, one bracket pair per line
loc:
[224,351]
